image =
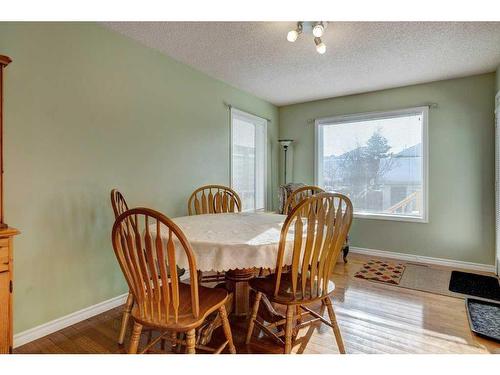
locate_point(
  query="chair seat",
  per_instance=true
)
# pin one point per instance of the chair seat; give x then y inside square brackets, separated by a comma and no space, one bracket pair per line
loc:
[266,285]
[210,299]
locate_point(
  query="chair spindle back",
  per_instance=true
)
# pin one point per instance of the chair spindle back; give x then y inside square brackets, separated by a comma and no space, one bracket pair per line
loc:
[118,202]
[213,199]
[146,244]
[320,225]
[299,195]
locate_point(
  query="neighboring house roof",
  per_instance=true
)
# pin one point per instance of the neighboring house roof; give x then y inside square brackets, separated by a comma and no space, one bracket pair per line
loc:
[412,151]
[406,169]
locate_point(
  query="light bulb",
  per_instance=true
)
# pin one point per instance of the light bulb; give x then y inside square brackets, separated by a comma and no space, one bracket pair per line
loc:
[320,46]
[318,30]
[292,35]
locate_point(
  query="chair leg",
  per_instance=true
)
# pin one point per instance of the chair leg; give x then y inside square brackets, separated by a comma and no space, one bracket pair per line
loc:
[298,311]
[322,313]
[345,251]
[251,322]
[179,346]
[336,329]
[173,337]
[125,318]
[310,331]
[135,338]
[150,336]
[190,341]
[290,309]
[227,329]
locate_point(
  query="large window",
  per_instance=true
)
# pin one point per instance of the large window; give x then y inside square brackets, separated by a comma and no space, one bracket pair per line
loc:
[248,159]
[379,160]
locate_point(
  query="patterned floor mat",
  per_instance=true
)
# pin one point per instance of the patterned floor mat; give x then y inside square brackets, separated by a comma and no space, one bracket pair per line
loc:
[382,271]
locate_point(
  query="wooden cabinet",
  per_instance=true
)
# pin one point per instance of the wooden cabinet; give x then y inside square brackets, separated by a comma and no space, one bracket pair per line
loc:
[6,289]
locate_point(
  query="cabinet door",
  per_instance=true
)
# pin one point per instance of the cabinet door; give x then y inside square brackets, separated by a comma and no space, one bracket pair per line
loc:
[4,312]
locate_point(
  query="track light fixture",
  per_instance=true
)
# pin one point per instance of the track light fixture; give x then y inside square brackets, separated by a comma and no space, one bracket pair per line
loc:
[317,29]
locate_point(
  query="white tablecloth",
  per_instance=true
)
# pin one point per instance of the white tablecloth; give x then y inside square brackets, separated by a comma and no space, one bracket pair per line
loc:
[235,240]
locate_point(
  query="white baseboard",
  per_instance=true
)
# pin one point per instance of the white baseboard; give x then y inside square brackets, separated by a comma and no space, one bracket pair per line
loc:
[45,329]
[424,259]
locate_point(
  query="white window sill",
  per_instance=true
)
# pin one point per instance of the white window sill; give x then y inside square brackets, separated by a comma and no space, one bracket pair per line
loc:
[411,219]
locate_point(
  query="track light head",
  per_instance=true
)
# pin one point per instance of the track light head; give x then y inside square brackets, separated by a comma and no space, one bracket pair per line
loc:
[294,34]
[318,29]
[320,46]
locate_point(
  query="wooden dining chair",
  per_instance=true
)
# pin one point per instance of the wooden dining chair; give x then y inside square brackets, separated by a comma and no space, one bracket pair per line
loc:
[119,207]
[148,245]
[299,195]
[315,230]
[213,199]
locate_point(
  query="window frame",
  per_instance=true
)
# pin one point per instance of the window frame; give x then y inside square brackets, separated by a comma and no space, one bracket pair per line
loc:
[349,118]
[257,121]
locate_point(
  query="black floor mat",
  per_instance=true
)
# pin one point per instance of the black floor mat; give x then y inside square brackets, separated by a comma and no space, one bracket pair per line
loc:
[484,318]
[475,285]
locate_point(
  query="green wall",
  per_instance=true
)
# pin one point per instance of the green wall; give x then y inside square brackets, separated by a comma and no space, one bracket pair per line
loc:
[87,110]
[461,174]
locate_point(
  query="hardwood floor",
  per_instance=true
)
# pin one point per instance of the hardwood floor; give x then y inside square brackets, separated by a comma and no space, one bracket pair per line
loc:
[373,318]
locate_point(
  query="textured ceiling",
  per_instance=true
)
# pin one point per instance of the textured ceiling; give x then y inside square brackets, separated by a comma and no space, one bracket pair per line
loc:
[361,56]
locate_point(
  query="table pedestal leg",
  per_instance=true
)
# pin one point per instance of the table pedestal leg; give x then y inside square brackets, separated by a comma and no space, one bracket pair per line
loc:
[238,304]
[237,282]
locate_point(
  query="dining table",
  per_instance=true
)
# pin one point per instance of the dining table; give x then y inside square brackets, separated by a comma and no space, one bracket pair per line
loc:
[238,244]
